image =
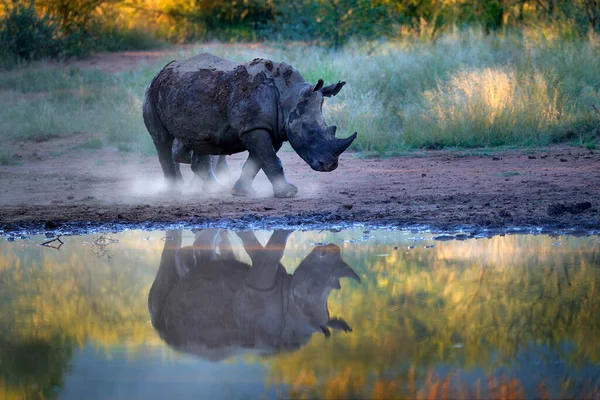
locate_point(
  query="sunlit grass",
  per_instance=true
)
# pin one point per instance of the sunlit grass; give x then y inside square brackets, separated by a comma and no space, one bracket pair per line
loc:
[463,90]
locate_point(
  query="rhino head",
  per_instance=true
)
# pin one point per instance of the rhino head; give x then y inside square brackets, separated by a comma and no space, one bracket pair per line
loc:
[307,132]
[318,274]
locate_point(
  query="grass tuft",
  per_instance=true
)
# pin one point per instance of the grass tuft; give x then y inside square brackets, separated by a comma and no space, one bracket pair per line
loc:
[6,159]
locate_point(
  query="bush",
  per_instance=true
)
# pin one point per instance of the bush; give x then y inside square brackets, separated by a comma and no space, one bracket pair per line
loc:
[26,36]
[333,23]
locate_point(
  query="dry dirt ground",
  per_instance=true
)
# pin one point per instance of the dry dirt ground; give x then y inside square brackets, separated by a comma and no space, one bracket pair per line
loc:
[553,188]
[57,183]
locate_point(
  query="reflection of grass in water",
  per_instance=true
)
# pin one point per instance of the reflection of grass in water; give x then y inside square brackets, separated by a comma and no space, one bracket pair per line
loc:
[492,298]
[495,297]
[34,369]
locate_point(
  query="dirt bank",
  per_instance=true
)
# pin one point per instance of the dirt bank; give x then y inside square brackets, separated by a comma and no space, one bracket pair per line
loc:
[552,187]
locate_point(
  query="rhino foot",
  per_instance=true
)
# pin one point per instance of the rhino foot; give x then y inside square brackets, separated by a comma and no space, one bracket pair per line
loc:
[242,188]
[171,187]
[284,190]
[213,187]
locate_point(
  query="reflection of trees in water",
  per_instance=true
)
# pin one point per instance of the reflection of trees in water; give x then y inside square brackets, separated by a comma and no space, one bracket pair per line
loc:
[427,308]
[491,298]
[33,369]
[53,302]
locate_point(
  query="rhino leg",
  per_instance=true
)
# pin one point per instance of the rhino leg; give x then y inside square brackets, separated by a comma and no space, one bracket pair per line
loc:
[265,260]
[243,186]
[222,170]
[181,154]
[163,141]
[202,167]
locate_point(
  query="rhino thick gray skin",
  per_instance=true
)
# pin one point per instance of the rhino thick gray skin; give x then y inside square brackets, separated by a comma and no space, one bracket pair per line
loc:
[213,106]
[208,303]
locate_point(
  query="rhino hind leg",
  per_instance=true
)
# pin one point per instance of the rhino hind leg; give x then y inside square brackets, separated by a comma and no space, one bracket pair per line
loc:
[163,141]
[202,167]
[181,154]
[222,170]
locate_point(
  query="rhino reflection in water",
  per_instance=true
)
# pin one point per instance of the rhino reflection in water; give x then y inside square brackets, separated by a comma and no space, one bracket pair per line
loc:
[206,302]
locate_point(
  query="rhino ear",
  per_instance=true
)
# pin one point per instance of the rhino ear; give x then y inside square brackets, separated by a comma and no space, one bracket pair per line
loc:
[318,86]
[338,323]
[325,331]
[332,90]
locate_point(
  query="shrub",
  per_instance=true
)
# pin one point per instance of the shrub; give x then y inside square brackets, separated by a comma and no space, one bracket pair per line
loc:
[27,36]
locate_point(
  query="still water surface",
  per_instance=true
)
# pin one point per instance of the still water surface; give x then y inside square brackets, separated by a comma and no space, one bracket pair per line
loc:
[246,315]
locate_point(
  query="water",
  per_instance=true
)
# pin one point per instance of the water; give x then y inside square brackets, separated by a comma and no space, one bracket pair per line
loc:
[181,315]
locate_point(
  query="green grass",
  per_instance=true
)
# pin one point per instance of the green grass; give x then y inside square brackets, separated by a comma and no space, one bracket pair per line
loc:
[92,143]
[509,173]
[464,90]
[6,159]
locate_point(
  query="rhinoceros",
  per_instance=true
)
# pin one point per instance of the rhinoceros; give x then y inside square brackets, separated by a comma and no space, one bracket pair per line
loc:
[211,304]
[213,106]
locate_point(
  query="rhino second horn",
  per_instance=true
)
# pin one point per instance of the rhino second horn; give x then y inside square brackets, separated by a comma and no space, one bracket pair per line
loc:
[318,86]
[340,145]
[331,130]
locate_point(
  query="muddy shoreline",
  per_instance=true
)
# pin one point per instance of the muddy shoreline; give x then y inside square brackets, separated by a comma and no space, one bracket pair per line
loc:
[554,189]
[444,232]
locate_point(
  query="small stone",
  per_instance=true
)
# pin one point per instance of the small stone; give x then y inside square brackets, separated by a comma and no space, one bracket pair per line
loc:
[532,157]
[563,160]
[70,197]
[51,224]
[347,206]
[496,158]
[444,237]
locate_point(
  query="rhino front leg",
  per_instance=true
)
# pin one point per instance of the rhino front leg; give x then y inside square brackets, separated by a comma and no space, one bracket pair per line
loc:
[202,167]
[265,261]
[264,155]
[243,186]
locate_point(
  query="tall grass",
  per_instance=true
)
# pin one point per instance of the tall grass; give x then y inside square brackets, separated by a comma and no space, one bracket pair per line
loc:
[466,89]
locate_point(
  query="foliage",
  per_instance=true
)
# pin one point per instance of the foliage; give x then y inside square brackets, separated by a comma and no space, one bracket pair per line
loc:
[27,36]
[81,26]
[467,89]
[333,22]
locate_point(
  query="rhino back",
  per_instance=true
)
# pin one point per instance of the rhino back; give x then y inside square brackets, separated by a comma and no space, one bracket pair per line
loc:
[199,307]
[207,102]
[211,306]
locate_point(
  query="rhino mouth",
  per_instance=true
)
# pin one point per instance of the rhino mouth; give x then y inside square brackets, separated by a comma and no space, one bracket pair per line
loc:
[324,166]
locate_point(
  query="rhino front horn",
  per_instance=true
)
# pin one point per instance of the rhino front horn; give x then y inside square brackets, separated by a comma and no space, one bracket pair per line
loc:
[340,145]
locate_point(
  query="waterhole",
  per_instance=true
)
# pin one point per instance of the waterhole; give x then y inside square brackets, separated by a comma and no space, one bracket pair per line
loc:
[299,314]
